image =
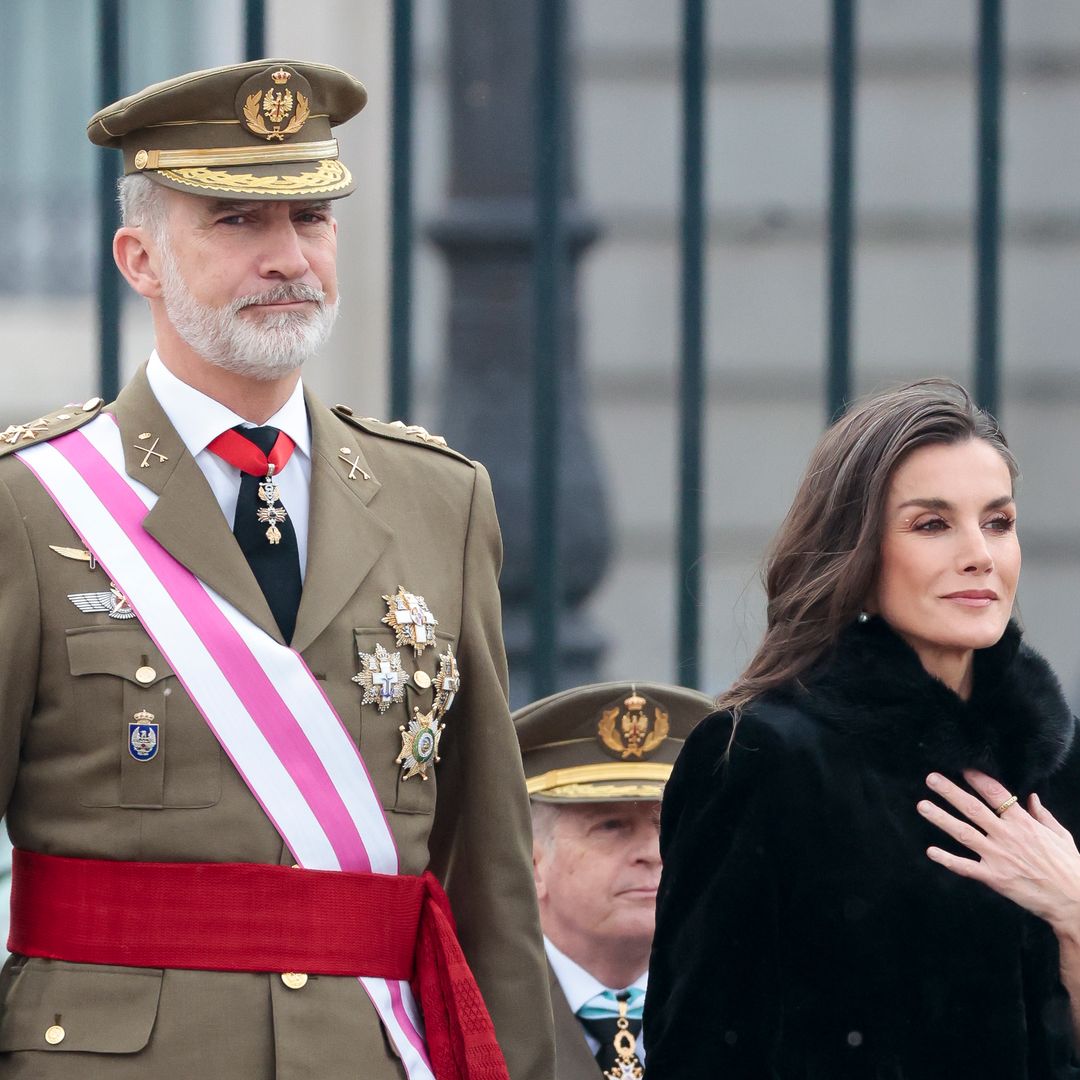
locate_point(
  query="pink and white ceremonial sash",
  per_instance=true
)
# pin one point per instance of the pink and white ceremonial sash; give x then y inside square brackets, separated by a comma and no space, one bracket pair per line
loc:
[258,696]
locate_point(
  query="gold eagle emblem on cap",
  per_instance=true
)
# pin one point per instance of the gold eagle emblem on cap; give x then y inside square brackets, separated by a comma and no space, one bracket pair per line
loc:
[286,111]
[634,733]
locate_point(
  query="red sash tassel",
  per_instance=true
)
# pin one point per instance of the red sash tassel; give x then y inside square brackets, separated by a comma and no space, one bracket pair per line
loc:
[460,1035]
[253,917]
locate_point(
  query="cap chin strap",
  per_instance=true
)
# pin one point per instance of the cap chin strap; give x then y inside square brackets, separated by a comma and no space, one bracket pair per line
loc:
[235,155]
[622,772]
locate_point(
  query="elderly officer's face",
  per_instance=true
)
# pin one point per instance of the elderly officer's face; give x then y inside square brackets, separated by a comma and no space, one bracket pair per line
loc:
[252,287]
[597,874]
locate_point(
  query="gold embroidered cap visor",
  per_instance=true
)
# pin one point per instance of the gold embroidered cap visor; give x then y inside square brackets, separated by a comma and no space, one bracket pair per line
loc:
[254,131]
[606,742]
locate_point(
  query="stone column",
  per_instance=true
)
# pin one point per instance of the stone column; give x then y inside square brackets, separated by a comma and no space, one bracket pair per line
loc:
[486,234]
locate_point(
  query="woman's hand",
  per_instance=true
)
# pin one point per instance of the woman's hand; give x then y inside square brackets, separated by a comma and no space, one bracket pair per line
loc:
[1026,855]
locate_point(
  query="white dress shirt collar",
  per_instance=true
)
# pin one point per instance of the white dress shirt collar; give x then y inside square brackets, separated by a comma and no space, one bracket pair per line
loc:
[200,419]
[577,984]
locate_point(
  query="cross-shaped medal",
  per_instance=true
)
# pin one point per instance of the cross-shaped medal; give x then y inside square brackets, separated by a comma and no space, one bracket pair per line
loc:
[387,679]
[382,678]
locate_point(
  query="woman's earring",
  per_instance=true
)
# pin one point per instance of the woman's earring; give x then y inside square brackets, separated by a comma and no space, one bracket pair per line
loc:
[864,616]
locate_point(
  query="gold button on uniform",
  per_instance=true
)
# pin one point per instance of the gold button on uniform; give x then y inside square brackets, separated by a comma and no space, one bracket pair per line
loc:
[54,1035]
[146,675]
[294,980]
[422,679]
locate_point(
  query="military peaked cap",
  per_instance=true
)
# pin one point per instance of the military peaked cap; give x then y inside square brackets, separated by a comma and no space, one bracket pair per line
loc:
[604,742]
[260,130]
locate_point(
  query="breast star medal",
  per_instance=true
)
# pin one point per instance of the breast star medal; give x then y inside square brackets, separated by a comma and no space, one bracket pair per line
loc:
[382,677]
[447,683]
[419,744]
[410,619]
[270,514]
[112,603]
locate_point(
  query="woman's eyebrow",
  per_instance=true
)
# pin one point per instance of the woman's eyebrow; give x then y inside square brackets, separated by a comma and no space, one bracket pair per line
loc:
[944,504]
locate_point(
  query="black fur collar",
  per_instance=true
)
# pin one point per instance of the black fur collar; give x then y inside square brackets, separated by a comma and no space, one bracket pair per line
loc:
[1016,726]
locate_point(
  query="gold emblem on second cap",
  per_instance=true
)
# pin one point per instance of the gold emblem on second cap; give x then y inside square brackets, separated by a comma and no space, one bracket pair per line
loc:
[634,733]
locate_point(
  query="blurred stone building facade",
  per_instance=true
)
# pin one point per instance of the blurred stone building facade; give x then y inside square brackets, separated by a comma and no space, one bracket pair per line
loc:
[767,180]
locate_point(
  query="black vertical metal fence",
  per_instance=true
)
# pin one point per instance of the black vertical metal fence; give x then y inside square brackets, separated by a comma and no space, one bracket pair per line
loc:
[693,239]
[988,204]
[549,253]
[401,217]
[841,206]
[110,65]
[254,29]
[549,86]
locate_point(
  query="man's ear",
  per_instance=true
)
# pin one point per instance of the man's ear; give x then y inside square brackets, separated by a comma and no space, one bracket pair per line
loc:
[539,864]
[135,260]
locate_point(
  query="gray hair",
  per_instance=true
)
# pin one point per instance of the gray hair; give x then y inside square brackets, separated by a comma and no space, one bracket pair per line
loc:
[142,203]
[545,816]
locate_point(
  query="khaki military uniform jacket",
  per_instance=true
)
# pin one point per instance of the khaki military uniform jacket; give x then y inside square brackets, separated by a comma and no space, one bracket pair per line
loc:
[573,1058]
[421,517]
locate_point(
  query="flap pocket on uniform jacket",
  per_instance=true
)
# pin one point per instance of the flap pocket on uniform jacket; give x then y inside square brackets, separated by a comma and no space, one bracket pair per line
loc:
[104,1010]
[138,738]
[129,654]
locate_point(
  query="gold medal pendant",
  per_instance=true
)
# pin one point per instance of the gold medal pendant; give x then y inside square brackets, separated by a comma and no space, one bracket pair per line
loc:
[627,1063]
[270,514]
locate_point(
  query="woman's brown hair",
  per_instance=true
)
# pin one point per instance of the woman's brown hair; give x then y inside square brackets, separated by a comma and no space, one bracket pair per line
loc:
[823,562]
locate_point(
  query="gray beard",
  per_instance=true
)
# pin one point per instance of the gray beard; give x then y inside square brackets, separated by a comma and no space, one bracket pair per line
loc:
[271,348]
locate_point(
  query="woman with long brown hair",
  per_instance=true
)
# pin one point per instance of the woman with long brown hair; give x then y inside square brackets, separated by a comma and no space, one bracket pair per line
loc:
[802,932]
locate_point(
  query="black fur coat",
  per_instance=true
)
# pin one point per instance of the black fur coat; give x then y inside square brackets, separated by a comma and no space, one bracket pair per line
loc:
[802,932]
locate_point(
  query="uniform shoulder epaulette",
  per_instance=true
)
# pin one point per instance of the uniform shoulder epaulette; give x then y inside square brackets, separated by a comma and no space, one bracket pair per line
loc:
[60,422]
[397,429]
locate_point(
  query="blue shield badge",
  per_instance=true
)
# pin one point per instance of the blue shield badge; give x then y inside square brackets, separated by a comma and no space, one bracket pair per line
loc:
[143,741]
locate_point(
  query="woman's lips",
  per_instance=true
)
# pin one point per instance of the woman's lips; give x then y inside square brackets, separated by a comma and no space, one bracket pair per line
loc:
[977,598]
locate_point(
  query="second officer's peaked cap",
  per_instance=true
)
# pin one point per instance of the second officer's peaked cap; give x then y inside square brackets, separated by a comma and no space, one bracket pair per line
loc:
[260,130]
[606,742]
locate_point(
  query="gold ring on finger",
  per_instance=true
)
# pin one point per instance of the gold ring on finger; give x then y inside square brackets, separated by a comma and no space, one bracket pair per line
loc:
[1006,804]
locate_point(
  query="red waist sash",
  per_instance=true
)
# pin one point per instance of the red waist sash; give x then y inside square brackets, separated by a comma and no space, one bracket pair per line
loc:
[253,917]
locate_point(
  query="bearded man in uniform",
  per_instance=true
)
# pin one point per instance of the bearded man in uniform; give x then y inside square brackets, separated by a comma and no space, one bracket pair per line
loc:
[253,684]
